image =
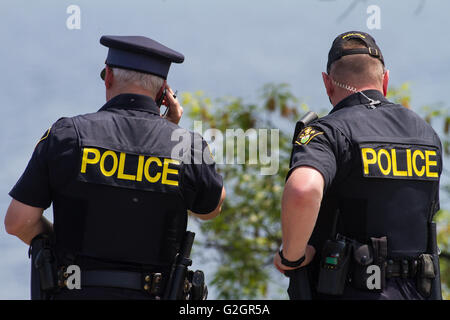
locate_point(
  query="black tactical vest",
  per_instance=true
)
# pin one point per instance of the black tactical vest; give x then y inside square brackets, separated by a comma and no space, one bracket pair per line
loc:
[121,200]
[390,186]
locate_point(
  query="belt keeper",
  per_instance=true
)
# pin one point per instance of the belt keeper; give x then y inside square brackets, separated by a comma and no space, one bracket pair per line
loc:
[389,268]
[153,283]
[414,267]
[147,279]
[404,268]
[62,277]
[156,284]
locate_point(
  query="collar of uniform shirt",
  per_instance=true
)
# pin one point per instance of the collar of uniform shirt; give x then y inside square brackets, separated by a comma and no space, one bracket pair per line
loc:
[132,102]
[357,98]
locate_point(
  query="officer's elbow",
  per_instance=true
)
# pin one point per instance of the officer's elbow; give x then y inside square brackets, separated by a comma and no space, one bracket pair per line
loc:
[304,185]
[208,216]
[22,219]
[12,225]
[8,227]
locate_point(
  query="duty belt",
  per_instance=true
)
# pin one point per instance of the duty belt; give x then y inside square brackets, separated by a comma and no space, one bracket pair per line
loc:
[402,268]
[151,283]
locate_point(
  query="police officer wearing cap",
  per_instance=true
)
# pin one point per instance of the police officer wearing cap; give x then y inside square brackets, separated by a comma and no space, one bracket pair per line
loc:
[362,190]
[120,192]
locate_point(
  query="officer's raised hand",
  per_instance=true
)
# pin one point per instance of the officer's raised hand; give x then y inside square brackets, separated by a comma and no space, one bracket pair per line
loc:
[175,110]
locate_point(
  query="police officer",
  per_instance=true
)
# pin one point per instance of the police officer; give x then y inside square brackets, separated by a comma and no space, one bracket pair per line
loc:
[362,189]
[120,192]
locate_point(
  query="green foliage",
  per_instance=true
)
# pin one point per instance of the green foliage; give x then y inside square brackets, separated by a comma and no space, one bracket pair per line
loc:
[438,116]
[248,232]
[400,95]
[443,221]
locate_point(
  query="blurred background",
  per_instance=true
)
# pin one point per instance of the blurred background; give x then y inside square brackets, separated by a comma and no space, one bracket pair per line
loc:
[264,58]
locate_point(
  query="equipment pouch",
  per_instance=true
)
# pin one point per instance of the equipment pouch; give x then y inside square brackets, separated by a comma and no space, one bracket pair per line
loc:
[425,275]
[380,250]
[362,258]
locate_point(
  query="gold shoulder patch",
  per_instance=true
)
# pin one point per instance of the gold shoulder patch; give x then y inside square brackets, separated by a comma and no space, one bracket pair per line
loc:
[306,135]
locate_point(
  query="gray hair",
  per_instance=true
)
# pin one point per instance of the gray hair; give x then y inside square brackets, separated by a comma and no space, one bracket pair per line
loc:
[146,81]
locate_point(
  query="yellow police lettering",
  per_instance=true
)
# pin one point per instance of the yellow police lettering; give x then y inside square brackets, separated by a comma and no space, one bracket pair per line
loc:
[367,161]
[121,168]
[111,172]
[429,163]
[86,160]
[418,172]
[388,158]
[140,168]
[147,165]
[166,171]
[395,171]
[120,174]
[399,162]
[408,162]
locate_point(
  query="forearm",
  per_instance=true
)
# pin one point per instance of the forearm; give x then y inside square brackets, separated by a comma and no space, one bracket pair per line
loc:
[298,219]
[28,232]
[25,222]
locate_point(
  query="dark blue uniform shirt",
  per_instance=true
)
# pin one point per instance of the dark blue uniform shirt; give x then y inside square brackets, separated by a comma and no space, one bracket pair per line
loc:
[121,181]
[381,168]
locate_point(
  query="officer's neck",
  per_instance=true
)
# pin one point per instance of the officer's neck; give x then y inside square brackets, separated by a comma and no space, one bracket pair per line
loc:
[340,94]
[113,92]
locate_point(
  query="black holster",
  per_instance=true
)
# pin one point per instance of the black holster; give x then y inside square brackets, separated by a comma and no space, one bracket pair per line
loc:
[429,280]
[43,267]
[365,255]
[299,284]
[185,284]
[198,288]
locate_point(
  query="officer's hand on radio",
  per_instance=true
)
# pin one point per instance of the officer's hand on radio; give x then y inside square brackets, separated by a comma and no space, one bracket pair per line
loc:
[309,255]
[175,110]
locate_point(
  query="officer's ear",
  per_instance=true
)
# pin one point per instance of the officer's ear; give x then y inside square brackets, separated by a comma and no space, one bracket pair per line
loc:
[385,82]
[328,84]
[109,77]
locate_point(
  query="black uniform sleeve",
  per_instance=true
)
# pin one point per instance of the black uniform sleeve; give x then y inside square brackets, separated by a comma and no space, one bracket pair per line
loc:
[202,184]
[322,147]
[52,161]
[33,187]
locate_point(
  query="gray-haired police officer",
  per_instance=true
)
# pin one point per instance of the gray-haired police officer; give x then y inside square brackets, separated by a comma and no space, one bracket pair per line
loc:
[362,189]
[120,196]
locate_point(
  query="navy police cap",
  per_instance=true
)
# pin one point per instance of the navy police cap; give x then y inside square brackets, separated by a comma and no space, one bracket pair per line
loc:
[337,51]
[139,54]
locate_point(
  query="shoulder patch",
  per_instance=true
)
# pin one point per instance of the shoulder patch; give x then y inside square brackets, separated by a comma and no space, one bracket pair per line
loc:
[306,135]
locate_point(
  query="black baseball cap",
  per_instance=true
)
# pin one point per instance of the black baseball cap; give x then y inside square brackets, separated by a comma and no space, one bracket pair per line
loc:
[140,54]
[337,51]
